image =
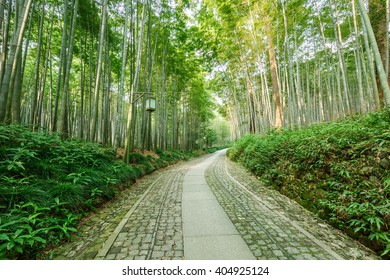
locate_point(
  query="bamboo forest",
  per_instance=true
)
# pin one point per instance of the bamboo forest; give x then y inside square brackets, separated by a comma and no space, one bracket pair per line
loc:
[96,94]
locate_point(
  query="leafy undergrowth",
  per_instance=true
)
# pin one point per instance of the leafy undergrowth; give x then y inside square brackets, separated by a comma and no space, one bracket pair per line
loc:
[47,185]
[340,171]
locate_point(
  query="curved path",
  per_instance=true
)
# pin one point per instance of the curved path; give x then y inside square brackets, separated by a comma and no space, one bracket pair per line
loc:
[207,208]
[207,230]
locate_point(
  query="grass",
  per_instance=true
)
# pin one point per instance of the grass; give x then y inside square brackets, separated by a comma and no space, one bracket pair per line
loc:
[340,171]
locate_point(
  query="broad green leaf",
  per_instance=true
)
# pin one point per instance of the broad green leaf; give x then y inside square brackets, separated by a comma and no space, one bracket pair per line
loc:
[39,239]
[4,237]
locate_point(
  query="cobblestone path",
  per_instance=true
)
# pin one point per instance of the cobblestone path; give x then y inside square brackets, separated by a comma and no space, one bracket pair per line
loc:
[146,222]
[273,226]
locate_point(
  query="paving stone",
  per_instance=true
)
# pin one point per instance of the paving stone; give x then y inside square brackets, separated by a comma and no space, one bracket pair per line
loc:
[115,250]
[179,253]
[178,246]
[278,253]
[119,243]
[110,257]
[261,215]
[121,256]
[157,254]
[143,252]
[253,208]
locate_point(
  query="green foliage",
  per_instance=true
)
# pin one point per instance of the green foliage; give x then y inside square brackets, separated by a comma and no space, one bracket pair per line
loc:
[27,228]
[38,168]
[341,171]
[47,184]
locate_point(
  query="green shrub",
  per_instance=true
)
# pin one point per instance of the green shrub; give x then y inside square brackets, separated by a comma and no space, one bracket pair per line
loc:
[37,169]
[339,170]
[47,184]
[136,158]
[28,228]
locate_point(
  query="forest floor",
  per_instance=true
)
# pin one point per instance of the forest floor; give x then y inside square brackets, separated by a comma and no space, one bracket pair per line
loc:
[206,208]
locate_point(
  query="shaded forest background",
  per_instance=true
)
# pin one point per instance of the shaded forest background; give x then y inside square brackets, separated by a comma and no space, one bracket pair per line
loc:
[85,68]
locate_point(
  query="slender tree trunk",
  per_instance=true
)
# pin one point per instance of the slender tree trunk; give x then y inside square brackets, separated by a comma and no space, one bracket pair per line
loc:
[175,121]
[294,113]
[337,33]
[64,125]
[125,41]
[4,28]
[62,66]
[274,77]
[41,94]
[82,90]
[131,119]
[12,60]
[90,81]
[387,49]
[13,89]
[106,99]
[161,109]
[377,57]
[15,115]
[3,5]
[362,105]
[34,110]
[95,114]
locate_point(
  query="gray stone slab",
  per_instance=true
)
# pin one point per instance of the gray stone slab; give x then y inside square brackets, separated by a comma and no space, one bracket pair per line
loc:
[203,165]
[195,173]
[226,247]
[198,195]
[207,230]
[194,180]
[196,188]
[205,217]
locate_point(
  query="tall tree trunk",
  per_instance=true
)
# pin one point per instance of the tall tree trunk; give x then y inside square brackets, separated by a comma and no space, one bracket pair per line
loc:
[362,103]
[106,98]
[15,113]
[90,81]
[274,76]
[34,110]
[131,118]
[175,121]
[12,88]
[4,28]
[64,125]
[62,66]
[95,114]
[119,116]
[337,33]
[387,49]
[41,95]
[82,90]
[377,57]
[12,60]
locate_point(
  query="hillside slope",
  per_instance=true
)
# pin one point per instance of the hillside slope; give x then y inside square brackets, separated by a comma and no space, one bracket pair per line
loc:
[340,171]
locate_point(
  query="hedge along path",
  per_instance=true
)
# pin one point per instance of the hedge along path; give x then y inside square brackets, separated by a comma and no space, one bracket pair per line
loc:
[285,220]
[148,224]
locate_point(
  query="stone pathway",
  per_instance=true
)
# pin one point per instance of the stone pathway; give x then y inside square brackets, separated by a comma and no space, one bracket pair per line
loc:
[207,230]
[193,210]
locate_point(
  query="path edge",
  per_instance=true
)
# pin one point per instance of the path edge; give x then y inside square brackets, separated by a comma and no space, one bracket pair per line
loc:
[108,243]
